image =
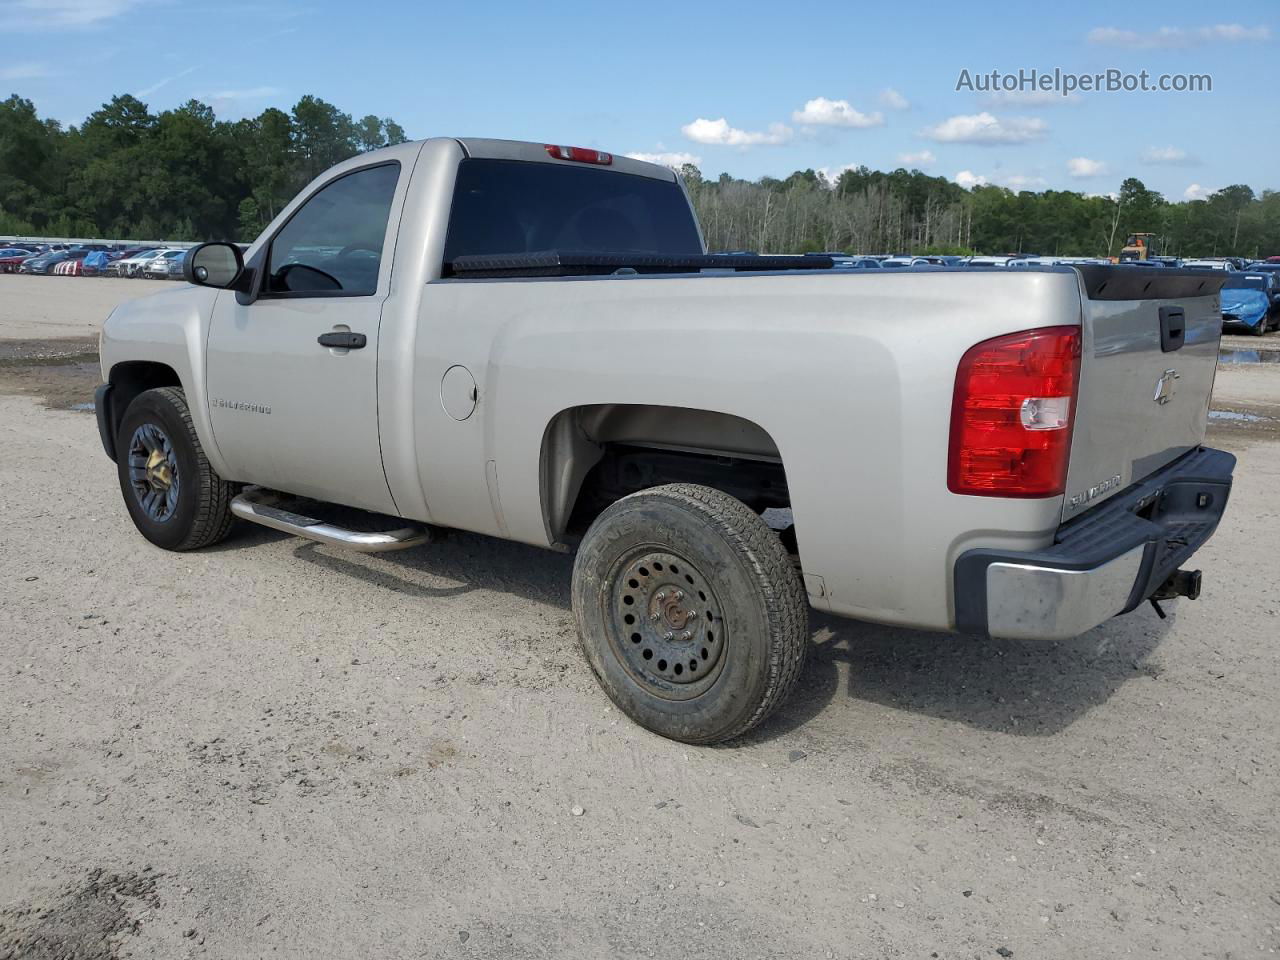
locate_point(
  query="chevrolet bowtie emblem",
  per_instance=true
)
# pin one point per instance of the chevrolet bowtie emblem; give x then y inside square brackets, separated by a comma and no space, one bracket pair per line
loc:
[1164,387]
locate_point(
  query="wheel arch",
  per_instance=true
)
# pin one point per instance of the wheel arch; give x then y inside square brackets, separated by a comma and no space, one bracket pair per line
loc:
[126,380]
[578,438]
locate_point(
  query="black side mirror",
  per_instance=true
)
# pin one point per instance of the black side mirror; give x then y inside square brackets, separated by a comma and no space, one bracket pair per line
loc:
[218,264]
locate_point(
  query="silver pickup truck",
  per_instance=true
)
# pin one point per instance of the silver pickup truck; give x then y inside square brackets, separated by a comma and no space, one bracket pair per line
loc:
[529,341]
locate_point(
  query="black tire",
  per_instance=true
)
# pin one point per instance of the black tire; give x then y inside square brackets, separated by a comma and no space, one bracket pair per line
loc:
[200,512]
[1261,329]
[724,657]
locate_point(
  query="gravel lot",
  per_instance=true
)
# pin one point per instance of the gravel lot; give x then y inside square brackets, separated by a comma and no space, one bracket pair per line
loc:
[276,749]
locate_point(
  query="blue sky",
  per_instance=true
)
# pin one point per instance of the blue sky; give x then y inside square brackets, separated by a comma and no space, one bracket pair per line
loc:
[746,88]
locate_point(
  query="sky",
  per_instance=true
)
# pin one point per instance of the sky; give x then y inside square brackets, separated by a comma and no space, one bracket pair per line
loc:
[747,88]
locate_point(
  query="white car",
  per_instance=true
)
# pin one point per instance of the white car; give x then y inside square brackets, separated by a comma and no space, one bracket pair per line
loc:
[992,261]
[129,266]
[1207,263]
[165,266]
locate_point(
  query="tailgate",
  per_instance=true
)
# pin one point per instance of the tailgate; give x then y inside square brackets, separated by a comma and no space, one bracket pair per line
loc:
[1149,355]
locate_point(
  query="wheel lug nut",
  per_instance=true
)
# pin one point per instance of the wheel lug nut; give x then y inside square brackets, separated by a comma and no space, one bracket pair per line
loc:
[686,635]
[661,597]
[668,636]
[679,595]
[653,616]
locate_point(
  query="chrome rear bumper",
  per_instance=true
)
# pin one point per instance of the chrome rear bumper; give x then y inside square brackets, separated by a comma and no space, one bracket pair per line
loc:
[1102,563]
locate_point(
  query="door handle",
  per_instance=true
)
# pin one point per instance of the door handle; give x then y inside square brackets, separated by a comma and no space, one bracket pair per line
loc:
[343,340]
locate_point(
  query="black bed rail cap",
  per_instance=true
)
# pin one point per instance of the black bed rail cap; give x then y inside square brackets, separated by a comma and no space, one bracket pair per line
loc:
[566,263]
[1115,282]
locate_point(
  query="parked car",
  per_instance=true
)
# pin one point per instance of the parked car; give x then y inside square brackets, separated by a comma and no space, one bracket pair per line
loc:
[990,261]
[1249,300]
[164,266]
[478,334]
[130,264]
[1210,263]
[70,267]
[11,258]
[96,262]
[42,263]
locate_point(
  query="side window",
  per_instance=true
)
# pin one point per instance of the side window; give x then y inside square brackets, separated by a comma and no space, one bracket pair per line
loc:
[333,243]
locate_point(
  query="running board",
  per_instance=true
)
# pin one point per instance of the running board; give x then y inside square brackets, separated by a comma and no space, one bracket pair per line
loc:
[258,505]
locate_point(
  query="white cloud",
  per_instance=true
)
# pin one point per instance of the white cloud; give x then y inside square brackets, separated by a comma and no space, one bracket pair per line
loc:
[252,93]
[1197,192]
[164,82]
[1080,167]
[1168,157]
[821,112]
[892,99]
[1112,196]
[61,14]
[25,71]
[719,132]
[675,160]
[1028,98]
[832,177]
[924,158]
[1014,181]
[986,128]
[1176,37]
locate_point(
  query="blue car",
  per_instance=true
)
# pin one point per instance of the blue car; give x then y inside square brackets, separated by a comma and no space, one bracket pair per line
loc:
[1247,300]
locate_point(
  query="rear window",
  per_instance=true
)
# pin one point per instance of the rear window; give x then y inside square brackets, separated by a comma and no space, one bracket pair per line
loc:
[512,206]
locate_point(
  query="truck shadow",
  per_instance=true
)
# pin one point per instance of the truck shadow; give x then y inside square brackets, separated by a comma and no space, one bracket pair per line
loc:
[1023,688]
[1030,689]
[471,561]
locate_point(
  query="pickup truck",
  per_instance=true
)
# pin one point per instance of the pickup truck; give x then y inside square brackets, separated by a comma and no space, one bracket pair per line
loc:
[529,341]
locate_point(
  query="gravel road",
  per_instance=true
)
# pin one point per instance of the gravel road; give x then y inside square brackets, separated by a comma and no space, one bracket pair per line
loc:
[275,749]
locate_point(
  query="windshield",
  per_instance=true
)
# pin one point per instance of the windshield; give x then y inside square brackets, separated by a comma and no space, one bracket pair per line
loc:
[512,206]
[1247,282]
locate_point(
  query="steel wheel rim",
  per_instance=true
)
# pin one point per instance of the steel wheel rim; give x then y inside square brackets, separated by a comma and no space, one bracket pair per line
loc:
[665,623]
[153,472]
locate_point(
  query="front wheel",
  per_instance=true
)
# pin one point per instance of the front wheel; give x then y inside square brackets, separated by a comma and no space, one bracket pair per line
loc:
[690,612]
[175,498]
[1261,329]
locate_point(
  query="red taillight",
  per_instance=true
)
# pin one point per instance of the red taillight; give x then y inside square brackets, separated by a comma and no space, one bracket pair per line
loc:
[1012,414]
[580,154]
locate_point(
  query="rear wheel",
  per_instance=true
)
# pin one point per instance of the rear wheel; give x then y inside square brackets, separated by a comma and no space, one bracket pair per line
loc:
[175,498]
[689,612]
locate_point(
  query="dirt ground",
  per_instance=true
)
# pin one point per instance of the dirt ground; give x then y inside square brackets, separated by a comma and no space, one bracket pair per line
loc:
[274,749]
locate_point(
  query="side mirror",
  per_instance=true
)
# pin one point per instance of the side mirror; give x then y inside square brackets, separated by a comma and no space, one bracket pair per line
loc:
[218,264]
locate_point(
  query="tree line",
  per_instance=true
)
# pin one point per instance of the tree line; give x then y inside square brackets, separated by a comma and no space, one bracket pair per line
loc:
[907,211]
[871,211]
[183,174]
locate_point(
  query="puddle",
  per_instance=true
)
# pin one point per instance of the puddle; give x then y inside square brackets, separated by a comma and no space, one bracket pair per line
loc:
[61,385]
[1249,356]
[1234,416]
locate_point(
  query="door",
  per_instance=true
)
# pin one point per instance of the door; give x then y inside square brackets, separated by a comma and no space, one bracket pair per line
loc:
[292,376]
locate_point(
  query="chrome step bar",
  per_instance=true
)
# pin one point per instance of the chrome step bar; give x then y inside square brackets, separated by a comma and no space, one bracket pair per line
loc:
[258,505]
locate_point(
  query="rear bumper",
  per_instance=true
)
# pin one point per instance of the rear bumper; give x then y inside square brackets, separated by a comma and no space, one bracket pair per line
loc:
[1102,563]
